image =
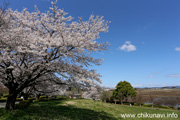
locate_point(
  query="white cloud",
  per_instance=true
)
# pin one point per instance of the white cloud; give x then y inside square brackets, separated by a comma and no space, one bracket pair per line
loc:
[128,47]
[150,85]
[177,48]
[137,86]
[153,74]
[174,75]
[109,86]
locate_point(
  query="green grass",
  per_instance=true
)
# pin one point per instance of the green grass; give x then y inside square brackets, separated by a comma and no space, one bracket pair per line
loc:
[79,109]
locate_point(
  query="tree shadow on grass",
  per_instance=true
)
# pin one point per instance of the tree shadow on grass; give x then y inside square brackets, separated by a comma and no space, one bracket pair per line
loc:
[56,111]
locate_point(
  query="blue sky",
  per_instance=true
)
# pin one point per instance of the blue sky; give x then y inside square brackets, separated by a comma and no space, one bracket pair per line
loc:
[144,37]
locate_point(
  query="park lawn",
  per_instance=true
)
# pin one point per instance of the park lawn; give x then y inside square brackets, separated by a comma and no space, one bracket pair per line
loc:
[79,109]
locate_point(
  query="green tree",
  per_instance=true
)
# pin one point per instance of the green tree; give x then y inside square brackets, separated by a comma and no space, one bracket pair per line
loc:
[123,91]
[105,95]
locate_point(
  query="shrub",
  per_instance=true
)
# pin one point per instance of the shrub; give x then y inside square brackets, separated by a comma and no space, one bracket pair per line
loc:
[135,104]
[132,103]
[31,99]
[107,100]
[171,107]
[126,103]
[41,97]
[23,104]
[19,99]
[63,97]
[111,100]
[36,100]
[178,108]
[55,97]
[163,107]
[1,94]
[60,97]
[147,105]
[105,95]
[3,99]
[5,95]
[138,104]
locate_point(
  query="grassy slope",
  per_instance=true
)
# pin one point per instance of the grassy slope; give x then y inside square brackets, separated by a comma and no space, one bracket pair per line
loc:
[76,110]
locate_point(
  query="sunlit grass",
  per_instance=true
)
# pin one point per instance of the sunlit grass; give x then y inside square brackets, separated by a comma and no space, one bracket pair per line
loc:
[79,109]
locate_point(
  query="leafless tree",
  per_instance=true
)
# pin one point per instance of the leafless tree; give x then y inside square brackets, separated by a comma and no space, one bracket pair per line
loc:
[139,97]
[151,98]
[167,101]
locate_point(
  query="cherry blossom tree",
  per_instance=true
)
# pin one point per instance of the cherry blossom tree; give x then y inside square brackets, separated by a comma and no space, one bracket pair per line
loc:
[39,45]
[48,86]
[92,93]
[2,11]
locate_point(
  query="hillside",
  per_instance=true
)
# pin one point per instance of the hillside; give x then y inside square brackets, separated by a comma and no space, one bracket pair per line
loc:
[81,109]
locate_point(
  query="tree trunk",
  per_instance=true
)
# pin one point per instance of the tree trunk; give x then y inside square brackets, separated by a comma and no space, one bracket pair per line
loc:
[121,102]
[38,96]
[10,103]
[25,96]
[126,100]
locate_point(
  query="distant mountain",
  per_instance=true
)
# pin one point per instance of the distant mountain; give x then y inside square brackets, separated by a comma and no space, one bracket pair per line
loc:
[173,86]
[165,87]
[178,87]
